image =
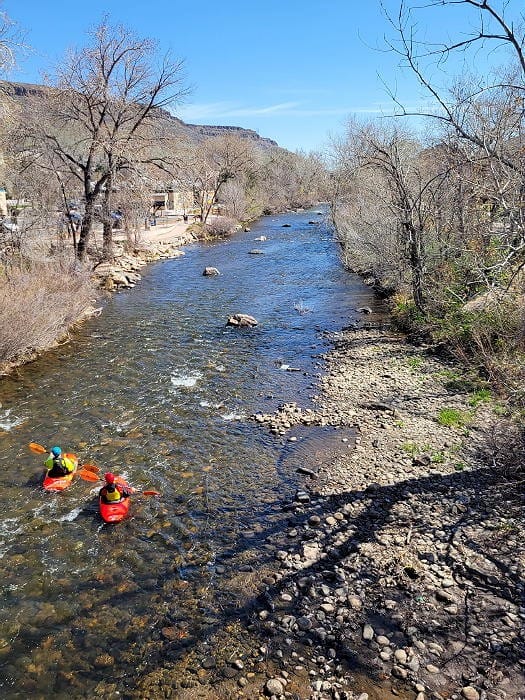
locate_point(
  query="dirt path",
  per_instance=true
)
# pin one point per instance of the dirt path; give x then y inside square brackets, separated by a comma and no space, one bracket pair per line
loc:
[165,233]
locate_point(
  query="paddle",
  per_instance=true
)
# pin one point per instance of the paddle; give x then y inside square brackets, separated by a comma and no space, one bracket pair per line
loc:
[89,476]
[40,450]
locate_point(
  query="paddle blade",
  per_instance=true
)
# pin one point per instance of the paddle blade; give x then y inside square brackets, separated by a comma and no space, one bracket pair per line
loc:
[37,449]
[87,476]
[90,468]
[151,493]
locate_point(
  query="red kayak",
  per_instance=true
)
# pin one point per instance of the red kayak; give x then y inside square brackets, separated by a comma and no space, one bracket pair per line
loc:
[117,510]
[59,483]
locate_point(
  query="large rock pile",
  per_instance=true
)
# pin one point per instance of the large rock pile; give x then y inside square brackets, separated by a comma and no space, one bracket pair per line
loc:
[123,273]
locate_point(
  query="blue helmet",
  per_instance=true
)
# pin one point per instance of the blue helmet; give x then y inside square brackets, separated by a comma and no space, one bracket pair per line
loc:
[56,451]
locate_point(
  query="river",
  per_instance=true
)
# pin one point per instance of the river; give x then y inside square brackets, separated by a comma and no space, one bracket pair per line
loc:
[159,390]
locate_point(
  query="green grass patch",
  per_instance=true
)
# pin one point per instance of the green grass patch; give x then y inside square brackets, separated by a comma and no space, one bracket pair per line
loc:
[480,396]
[452,417]
[411,448]
[501,410]
[415,362]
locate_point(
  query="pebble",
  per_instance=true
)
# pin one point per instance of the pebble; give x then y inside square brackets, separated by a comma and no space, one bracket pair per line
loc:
[274,687]
[431,668]
[368,633]
[469,693]
[400,656]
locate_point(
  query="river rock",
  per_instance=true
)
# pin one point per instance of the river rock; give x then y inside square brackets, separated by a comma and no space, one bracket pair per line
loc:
[208,662]
[241,321]
[304,623]
[368,633]
[210,272]
[400,656]
[469,693]
[274,687]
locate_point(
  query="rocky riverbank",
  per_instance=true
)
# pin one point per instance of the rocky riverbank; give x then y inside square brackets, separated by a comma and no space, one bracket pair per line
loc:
[399,572]
[123,272]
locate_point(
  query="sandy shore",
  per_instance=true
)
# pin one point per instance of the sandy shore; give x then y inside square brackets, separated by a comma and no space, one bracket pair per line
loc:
[165,233]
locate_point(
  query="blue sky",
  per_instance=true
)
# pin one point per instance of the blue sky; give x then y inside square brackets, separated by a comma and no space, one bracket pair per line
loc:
[293,70]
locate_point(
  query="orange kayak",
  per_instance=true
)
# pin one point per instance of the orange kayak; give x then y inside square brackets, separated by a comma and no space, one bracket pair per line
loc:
[117,510]
[59,483]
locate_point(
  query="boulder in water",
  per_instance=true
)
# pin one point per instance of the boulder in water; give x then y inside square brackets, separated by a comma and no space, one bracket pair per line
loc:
[210,272]
[241,321]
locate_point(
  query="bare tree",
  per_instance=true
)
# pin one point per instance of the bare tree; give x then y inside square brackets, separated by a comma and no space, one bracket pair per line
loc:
[291,180]
[482,113]
[215,162]
[389,212]
[98,117]
[10,42]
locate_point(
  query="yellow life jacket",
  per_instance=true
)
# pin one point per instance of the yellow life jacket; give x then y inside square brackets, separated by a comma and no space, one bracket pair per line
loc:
[67,464]
[113,495]
[70,465]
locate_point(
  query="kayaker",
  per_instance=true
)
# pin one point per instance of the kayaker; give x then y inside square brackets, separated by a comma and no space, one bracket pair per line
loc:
[112,491]
[57,464]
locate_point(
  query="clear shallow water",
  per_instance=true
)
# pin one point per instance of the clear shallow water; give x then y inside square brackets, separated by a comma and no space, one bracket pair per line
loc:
[158,389]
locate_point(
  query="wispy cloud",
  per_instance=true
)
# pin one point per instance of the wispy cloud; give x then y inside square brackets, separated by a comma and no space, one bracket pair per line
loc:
[219,110]
[229,110]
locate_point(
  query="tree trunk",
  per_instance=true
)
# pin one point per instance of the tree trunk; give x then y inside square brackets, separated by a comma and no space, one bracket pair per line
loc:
[107,235]
[86,228]
[415,254]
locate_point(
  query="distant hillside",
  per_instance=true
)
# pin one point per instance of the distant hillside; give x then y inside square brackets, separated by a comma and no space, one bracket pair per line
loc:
[196,132]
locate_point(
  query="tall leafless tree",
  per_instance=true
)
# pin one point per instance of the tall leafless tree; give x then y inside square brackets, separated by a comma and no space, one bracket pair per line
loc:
[483,112]
[98,116]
